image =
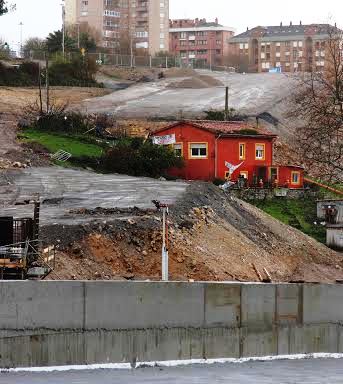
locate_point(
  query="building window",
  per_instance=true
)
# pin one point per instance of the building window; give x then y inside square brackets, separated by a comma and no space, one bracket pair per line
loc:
[296,178]
[178,149]
[198,150]
[244,174]
[242,148]
[260,151]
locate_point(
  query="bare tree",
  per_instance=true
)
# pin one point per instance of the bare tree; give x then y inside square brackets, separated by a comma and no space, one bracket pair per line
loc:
[318,105]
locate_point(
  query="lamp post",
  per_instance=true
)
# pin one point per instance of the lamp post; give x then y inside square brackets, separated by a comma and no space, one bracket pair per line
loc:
[63,27]
[165,241]
[21,38]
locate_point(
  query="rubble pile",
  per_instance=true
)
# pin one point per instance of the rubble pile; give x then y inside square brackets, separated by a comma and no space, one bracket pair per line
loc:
[212,237]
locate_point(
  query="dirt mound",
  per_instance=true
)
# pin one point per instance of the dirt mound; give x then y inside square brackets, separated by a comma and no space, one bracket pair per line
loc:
[130,74]
[179,72]
[196,82]
[212,237]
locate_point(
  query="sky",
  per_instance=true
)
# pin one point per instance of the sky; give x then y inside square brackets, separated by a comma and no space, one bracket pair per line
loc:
[39,17]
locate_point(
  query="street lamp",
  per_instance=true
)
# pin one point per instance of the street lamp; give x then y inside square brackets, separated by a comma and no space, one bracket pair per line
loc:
[63,27]
[21,38]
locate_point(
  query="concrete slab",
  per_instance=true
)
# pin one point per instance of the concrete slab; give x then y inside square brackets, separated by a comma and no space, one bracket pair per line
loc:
[258,305]
[36,304]
[323,303]
[289,304]
[119,305]
[222,305]
[73,189]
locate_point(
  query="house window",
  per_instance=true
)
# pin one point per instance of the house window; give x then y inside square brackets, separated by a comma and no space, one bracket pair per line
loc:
[241,151]
[198,150]
[260,151]
[244,174]
[178,149]
[296,178]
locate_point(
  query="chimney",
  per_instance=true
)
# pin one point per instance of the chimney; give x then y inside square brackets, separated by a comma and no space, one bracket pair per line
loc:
[301,23]
[290,24]
[247,29]
[281,24]
[216,20]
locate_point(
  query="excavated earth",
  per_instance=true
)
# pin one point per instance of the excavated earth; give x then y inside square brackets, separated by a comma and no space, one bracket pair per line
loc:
[213,237]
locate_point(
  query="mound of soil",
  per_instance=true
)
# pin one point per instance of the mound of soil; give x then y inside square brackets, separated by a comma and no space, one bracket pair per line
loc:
[213,237]
[179,72]
[196,82]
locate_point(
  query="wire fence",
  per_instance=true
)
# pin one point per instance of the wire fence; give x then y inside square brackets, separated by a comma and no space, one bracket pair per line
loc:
[122,60]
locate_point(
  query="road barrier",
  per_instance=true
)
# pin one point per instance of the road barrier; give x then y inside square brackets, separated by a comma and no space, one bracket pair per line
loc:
[77,323]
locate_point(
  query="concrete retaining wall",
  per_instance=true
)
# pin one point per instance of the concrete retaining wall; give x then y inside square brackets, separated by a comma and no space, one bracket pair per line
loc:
[58,323]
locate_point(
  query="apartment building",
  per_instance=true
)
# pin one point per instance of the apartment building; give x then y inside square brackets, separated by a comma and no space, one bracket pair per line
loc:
[199,41]
[144,24]
[283,48]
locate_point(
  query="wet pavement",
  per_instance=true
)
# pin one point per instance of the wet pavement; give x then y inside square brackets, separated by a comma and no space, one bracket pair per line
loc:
[276,372]
[62,190]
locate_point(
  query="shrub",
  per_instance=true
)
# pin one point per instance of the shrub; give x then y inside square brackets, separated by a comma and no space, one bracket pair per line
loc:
[26,74]
[137,157]
[78,71]
[219,115]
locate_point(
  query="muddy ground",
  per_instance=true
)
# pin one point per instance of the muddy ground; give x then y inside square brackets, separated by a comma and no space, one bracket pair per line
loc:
[213,237]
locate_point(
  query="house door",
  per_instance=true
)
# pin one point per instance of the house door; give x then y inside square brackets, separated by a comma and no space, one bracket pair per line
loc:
[262,174]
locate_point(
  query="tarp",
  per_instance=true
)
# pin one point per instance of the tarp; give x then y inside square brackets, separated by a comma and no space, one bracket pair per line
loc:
[164,140]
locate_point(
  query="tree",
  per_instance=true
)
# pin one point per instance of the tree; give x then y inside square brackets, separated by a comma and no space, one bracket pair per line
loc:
[54,42]
[89,36]
[34,44]
[317,106]
[4,7]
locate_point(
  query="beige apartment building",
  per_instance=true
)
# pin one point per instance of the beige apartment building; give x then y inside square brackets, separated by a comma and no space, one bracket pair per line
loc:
[282,48]
[142,24]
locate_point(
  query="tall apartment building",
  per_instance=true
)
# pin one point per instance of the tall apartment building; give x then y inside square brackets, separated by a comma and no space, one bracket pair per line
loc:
[199,40]
[144,23]
[284,48]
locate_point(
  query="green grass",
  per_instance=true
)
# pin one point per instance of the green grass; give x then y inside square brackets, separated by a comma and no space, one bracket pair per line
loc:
[300,214]
[54,142]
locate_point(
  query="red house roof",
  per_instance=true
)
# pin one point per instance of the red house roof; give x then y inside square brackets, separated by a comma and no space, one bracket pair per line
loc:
[222,127]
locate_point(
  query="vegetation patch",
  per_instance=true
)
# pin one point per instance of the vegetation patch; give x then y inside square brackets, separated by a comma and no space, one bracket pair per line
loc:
[53,142]
[298,213]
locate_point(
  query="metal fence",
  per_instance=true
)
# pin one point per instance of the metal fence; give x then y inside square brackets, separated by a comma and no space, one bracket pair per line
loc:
[122,60]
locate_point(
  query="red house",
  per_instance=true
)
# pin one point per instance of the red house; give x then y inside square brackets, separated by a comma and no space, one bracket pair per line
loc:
[227,150]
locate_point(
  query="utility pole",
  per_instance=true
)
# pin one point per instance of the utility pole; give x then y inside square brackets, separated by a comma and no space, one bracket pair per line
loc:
[21,38]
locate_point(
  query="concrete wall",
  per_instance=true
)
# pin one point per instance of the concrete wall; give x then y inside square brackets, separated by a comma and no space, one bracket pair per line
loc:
[58,323]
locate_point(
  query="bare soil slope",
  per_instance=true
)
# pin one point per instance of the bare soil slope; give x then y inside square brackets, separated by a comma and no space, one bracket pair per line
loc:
[212,237]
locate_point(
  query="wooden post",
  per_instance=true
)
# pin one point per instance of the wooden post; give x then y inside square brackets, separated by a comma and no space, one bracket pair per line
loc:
[47,84]
[226,103]
[40,89]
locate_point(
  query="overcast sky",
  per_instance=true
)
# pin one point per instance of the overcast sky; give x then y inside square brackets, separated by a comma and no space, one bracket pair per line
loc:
[43,16]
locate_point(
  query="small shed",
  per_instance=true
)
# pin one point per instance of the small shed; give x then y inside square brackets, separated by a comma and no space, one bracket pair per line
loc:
[334,236]
[331,211]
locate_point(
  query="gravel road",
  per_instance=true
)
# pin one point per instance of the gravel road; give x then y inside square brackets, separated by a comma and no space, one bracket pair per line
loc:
[276,372]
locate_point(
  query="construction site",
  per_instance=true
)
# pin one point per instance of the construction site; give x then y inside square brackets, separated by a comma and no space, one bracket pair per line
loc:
[93,226]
